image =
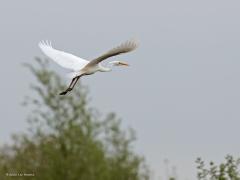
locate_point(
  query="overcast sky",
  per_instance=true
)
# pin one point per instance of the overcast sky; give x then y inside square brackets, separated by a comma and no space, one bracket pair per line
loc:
[182,91]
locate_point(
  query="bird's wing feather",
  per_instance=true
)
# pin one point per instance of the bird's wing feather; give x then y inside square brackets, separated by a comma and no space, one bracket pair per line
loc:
[64,59]
[128,46]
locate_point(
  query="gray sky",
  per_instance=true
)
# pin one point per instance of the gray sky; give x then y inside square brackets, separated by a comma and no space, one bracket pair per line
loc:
[182,91]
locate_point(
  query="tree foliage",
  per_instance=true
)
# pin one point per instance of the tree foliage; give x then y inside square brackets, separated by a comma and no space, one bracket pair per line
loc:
[228,170]
[68,139]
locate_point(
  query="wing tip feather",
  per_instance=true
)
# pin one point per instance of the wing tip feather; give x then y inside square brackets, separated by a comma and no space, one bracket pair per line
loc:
[135,42]
[45,43]
[131,44]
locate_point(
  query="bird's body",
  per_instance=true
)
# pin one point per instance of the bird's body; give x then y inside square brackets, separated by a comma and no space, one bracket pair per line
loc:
[92,69]
[80,67]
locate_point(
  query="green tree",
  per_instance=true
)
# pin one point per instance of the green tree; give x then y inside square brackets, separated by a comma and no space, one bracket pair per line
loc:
[228,170]
[69,140]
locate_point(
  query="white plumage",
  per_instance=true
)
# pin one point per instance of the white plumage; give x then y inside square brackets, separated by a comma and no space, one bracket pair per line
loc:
[81,67]
[62,58]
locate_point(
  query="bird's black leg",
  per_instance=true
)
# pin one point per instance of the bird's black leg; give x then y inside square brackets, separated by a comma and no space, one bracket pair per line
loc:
[69,87]
[75,83]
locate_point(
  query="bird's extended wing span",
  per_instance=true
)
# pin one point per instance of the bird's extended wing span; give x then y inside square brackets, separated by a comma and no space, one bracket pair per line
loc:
[64,59]
[123,48]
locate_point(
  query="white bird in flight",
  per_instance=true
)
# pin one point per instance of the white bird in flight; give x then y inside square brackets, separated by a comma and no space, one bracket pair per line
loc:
[81,67]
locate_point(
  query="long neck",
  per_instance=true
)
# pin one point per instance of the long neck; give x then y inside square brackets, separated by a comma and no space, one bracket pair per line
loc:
[106,68]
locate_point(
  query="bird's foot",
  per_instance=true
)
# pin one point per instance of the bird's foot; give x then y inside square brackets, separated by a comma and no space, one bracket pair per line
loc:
[63,93]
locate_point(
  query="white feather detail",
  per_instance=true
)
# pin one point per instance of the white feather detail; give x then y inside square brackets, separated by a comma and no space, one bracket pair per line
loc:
[73,74]
[62,58]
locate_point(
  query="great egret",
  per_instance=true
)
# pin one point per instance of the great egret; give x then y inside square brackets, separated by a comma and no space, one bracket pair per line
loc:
[81,67]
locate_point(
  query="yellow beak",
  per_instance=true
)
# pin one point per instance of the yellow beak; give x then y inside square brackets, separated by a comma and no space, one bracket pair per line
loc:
[123,64]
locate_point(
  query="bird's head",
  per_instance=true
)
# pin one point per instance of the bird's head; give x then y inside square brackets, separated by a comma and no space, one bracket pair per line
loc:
[119,63]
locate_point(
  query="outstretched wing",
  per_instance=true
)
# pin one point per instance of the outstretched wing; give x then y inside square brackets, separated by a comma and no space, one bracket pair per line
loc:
[123,48]
[64,59]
